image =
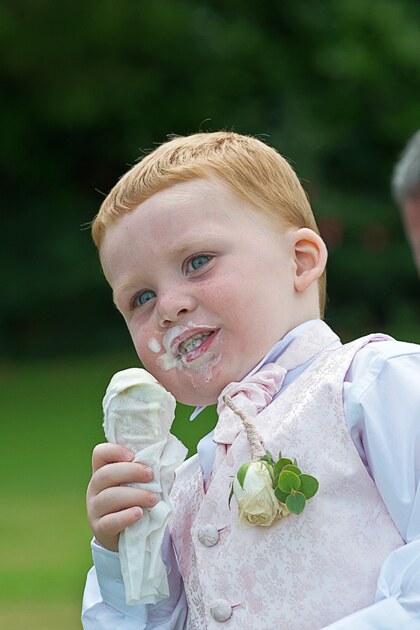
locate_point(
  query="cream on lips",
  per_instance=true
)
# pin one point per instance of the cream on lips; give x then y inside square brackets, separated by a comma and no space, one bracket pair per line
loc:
[182,342]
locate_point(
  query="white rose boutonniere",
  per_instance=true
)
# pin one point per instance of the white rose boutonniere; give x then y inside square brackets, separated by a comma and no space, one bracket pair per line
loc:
[253,490]
[264,489]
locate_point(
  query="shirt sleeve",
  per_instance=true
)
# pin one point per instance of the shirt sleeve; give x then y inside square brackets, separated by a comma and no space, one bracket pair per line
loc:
[382,409]
[104,606]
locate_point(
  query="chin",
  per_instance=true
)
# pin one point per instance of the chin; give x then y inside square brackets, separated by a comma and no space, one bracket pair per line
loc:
[195,398]
[197,392]
[198,386]
[200,383]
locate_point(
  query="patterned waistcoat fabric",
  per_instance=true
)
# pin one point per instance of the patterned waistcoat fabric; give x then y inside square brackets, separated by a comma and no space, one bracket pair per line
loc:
[306,571]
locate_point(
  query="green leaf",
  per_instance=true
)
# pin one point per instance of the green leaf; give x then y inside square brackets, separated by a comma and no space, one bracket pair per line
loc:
[281,496]
[293,468]
[268,458]
[308,485]
[241,474]
[296,502]
[288,481]
[283,461]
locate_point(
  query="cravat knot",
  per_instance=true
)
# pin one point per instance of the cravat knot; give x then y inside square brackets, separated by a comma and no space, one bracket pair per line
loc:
[253,394]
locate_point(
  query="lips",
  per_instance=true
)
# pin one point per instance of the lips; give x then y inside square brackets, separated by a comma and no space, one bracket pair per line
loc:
[193,343]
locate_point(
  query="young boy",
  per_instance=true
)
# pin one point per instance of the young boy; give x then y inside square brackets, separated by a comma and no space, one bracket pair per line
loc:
[215,262]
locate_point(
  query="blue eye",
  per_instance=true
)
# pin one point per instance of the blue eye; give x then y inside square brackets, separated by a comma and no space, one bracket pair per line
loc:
[198,261]
[144,297]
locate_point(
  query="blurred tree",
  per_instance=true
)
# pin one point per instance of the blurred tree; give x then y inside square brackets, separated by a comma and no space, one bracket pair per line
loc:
[87,86]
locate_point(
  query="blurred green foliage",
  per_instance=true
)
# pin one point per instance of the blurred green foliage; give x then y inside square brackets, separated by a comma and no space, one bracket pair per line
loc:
[87,86]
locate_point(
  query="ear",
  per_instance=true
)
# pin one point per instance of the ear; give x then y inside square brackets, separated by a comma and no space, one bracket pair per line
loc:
[310,257]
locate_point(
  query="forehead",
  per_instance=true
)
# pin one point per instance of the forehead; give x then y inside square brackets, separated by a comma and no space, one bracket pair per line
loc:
[195,195]
[197,198]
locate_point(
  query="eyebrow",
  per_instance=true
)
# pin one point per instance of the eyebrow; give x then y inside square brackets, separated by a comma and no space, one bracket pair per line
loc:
[195,241]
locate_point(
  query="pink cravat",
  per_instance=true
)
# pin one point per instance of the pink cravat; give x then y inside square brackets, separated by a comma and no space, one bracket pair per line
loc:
[251,395]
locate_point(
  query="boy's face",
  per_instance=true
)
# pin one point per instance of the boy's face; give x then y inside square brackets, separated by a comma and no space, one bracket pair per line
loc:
[205,285]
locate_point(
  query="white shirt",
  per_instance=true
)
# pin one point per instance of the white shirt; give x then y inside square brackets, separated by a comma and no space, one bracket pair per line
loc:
[381,396]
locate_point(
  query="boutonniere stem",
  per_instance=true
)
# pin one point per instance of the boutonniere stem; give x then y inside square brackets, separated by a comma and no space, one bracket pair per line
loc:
[254,439]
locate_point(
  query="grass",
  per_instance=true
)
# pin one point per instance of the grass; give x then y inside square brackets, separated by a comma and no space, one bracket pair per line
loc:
[59,615]
[51,420]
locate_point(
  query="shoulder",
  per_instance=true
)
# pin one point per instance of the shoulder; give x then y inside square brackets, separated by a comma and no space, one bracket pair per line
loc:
[385,347]
[383,360]
[381,393]
[381,397]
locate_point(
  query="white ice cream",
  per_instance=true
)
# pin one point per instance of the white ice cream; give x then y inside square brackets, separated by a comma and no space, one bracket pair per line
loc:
[138,414]
[154,345]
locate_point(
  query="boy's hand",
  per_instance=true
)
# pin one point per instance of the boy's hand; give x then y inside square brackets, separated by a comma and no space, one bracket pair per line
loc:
[111,507]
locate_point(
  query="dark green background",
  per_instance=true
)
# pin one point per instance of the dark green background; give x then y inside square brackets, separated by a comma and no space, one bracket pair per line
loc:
[86,87]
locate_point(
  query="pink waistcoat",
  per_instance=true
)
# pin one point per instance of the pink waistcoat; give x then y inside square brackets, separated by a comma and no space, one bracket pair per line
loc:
[306,571]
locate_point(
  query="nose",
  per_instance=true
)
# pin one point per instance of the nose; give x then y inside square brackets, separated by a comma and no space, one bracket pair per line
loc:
[174,304]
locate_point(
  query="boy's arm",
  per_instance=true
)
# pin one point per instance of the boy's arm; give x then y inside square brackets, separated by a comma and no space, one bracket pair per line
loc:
[112,506]
[382,408]
[104,605]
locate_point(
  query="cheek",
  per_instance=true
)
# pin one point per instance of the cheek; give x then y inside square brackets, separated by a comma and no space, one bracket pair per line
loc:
[148,358]
[149,347]
[228,293]
[142,339]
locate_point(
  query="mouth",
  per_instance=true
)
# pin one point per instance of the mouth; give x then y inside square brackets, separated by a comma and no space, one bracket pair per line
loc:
[189,347]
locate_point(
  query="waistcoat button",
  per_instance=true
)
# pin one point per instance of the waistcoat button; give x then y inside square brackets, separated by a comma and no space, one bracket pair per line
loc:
[220,610]
[208,535]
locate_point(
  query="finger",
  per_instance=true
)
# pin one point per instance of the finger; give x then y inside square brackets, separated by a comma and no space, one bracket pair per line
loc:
[109,527]
[115,474]
[116,499]
[108,453]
